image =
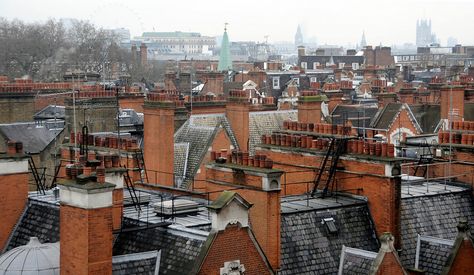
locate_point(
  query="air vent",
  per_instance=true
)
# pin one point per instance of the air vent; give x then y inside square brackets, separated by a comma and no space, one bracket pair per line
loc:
[176,207]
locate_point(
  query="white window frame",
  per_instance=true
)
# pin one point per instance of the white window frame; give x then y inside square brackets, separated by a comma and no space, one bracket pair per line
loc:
[297,80]
[355,66]
[315,65]
[304,65]
[276,82]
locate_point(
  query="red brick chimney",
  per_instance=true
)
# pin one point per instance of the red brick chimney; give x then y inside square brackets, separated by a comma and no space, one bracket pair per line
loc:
[261,187]
[456,93]
[407,95]
[387,261]
[86,226]
[143,55]
[13,189]
[159,138]
[237,112]
[309,107]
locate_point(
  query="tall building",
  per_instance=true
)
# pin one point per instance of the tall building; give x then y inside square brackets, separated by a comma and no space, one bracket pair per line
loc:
[424,36]
[299,37]
[225,61]
[363,42]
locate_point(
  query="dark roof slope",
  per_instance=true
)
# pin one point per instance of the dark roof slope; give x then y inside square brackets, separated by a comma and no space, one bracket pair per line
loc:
[358,115]
[35,137]
[198,132]
[433,257]
[308,248]
[39,220]
[432,215]
[385,117]
[137,263]
[264,123]
[178,251]
[427,115]
[469,111]
[51,112]
[355,264]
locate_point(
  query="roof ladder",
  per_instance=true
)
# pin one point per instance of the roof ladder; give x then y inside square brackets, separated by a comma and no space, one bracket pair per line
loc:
[132,191]
[39,180]
[140,160]
[328,167]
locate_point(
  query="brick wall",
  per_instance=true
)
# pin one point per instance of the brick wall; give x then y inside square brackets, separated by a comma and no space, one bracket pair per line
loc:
[99,113]
[132,102]
[264,214]
[13,197]
[16,107]
[360,177]
[234,243]
[86,240]
[159,142]
[463,263]
[238,115]
[390,266]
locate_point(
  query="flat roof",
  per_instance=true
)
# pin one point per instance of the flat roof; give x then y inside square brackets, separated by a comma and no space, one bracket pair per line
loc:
[302,203]
[430,188]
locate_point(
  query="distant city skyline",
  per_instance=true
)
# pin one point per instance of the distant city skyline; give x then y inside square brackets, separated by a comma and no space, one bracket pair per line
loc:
[336,22]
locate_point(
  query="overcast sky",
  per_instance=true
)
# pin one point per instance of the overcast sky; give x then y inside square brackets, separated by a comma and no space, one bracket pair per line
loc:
[330,22]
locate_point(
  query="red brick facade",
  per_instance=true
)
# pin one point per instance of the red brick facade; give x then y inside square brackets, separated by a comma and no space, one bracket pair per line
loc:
[13,197]
[234,243]
[86,240]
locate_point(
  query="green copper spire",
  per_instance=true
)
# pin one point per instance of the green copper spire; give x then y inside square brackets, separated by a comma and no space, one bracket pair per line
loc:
[225,62]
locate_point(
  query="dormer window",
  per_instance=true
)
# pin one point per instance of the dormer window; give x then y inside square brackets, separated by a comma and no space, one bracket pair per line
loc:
[330,225]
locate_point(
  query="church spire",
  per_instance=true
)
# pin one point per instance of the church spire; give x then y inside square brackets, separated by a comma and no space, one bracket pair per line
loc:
[225,62]
[298,37]
[363,42]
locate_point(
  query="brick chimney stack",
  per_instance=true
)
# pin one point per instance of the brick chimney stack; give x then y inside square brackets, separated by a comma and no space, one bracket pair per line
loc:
[309,107]
[86,226]
[237,112]
[143,55]
[456,93]
[13,188]
[159,113]
[262,188]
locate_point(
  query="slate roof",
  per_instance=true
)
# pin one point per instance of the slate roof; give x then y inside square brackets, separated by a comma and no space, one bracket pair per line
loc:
[35,136]
[264,123]
[427,115]
[433,257]
[137,263]
[432,215]
[385,117]
[307,247]
[178,251]
[359,115]
[469,111]
[181,152]
[51,112]
[357,263]
[323,59]
[39,220]
[199,132]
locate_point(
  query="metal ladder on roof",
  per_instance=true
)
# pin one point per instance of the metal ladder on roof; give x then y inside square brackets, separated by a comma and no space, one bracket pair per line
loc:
[132,191]
[140,160]
[39,179]
[424,160]
[328,167]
